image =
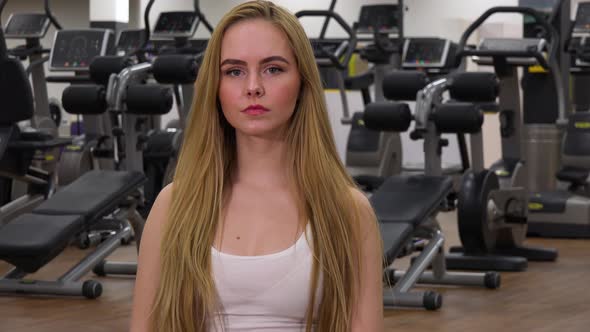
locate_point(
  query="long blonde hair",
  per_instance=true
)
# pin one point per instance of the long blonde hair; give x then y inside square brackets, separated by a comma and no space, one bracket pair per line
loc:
[186,298]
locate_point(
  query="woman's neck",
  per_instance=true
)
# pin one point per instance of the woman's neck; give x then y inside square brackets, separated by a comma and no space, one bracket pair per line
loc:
[261,161]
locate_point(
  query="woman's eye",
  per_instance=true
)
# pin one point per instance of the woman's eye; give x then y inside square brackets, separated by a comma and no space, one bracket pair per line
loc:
[274,70]
[233,72]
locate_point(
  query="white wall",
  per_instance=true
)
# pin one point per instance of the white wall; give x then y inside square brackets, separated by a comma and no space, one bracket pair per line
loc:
[109,10]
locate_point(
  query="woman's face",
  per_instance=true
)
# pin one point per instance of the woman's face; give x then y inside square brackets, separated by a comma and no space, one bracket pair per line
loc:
[259,83]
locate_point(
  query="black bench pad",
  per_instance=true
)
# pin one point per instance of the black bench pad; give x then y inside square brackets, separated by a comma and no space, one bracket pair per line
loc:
[410,198]
[39,145]
[369,182]
[92,195]
[31,241]
[575,175]
[394,236]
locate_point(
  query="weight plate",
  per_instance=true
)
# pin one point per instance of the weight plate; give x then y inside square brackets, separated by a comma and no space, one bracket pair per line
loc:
[474,207]
[73,163]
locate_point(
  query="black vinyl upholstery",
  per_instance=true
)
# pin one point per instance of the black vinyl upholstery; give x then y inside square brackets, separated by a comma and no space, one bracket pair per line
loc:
[402,203]
[394,236]
[577,176]
[32,240]
[410,199]
[15,93]
[94,194]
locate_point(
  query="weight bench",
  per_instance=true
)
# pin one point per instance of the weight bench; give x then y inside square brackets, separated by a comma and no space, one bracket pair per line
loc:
[32,240]
[406,207]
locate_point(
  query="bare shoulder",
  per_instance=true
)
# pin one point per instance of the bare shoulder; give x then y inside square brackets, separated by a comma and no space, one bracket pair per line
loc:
[367,219]
[362,201]
[159,212]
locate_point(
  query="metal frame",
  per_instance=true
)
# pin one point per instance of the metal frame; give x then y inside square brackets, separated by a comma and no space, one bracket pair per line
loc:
[432,255]
[69,283]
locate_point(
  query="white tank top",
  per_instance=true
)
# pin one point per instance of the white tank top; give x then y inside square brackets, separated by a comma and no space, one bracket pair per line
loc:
[267,292]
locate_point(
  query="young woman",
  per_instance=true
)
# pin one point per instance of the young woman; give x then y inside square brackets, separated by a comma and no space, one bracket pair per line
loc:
[262,228]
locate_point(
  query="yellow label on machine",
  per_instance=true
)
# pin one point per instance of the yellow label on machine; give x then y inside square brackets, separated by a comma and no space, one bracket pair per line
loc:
[502,172]
[582,125]
[361,122]
[49,157]
[537,69]
[73,148]
[535,206]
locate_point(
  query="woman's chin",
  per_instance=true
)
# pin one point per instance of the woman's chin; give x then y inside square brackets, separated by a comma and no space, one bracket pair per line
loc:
[261,131]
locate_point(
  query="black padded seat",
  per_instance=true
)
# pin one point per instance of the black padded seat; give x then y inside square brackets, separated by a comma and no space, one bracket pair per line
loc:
[575,175]
[27,144]
[30,240]
[93,194]
[410,198]
[394,236]
[34,135]
[369,182]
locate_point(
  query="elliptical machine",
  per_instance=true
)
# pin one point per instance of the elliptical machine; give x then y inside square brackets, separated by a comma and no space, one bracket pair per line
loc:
[492,213]
[371,156]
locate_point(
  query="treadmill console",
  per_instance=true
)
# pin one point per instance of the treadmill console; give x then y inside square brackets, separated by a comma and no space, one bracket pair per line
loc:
[427,53]
[326,49]
[579,44]
[525,46]
[26,26]
[176,25]
[379,18]
[129,41]
[582,23]
[73,50]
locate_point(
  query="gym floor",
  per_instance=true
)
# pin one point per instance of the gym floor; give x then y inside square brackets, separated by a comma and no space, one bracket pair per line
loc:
[547,297]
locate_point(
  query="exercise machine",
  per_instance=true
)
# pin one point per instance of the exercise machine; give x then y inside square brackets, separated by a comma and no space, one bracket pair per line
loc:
[492,212]
[371,157]
[565,211]
[34,239]
[407,205]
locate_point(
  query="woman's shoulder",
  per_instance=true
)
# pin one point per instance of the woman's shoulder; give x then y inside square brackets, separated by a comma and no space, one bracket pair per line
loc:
[164,197]
[159,211]
[361,200]
[366,215]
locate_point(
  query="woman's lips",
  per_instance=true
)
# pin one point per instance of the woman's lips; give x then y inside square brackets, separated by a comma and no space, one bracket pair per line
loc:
[255,110]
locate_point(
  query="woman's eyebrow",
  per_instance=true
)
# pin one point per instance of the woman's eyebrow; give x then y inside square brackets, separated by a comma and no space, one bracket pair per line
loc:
[265,60]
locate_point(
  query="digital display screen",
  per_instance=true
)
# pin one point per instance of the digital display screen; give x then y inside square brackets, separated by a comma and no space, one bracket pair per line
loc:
[130,40]
[171,23]
[424,52]
[544,6]
[27,25]
[75,49]
[583,17]
[380,18]
[323,48]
